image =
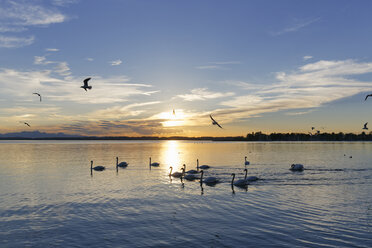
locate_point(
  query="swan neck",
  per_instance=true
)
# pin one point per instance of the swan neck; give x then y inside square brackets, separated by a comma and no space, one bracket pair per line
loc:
[232,180]
[171,169]
[117,161]
[246,172]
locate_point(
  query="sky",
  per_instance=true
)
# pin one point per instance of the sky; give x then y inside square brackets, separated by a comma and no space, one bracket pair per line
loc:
[270,66]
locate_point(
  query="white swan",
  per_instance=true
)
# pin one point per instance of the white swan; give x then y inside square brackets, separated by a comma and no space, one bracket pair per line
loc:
[176,174]
[297,167]
[203,167]
[96,168]
[121,164]
[245,161]
[250,178]
[191,171]
[240,182]
[155,164]
[208,180]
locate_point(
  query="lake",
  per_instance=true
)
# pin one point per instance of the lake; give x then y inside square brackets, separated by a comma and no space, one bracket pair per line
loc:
[49,198]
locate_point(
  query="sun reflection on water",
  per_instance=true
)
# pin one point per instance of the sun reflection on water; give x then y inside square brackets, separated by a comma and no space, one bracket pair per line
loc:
[171,155]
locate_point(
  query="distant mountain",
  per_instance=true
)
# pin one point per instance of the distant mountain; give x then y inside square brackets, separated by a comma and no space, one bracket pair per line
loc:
[37,134]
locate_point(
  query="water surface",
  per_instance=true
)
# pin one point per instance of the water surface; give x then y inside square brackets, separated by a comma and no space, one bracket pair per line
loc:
[49,198]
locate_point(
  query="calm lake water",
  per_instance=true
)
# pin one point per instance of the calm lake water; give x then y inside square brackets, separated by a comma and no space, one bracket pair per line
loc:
[49,198]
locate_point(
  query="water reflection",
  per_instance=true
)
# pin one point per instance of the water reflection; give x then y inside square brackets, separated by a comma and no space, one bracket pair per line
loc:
[170,155]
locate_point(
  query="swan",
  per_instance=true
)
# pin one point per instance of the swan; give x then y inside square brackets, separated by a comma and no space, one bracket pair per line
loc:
[250,178]
[239,183]
[245,161]
[96,168]
[122,164]
[203,167]
[297,167]
[155,164]
[176,174]
[208,180]
[190,171]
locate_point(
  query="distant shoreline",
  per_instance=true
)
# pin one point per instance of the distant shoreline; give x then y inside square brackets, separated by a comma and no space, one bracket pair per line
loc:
[258,136]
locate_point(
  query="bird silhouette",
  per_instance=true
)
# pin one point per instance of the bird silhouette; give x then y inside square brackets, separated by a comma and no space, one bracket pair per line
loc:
[86,86]
[367,97]
[38,95]
[26,124]
[365,126]
[214,122]
[174,112]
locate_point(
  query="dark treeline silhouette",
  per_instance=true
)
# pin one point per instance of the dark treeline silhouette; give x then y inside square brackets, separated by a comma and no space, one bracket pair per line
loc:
[259,136]
[254,136]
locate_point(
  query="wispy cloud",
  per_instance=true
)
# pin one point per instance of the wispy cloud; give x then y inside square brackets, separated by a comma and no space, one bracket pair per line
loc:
[19,16]
[209,67]
[307,57]
[52,49]
[13,42]
[226,63]
[62,69]
[116,62]
[300,24]
[309,87]
[105,89]
[219,65]
[89,59]
[204,94]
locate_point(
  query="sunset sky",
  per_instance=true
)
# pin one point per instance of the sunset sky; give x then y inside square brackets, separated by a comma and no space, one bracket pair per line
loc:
[270,66]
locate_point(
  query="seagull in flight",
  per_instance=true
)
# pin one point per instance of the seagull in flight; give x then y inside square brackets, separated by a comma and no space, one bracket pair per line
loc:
[214,122]
[26,124]
[86,86]
[365,126]
[38,95]
[367,97]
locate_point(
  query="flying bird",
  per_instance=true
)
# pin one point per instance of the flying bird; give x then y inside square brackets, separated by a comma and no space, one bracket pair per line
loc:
[367,97]
[312,128]
[86,86]
[214,122]
[38,95]
[174,112]
[26,124]
[365,126]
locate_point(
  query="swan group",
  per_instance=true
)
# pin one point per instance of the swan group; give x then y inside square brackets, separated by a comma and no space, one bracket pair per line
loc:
[192,175]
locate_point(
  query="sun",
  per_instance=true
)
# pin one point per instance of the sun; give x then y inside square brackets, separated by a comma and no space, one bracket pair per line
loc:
[173,120]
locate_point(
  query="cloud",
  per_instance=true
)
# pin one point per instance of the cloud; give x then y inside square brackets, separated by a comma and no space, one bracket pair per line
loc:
[62,69]
[24,13]
[209,67]
[309,87]
[307,57]
[296,27]
[226,63]
[19,16]
[118,112]
[63,2]
[105,89]
[89,59]
[52,49]
[116,62]
[117,128]
[13,42]
[203,94]
[217,65]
